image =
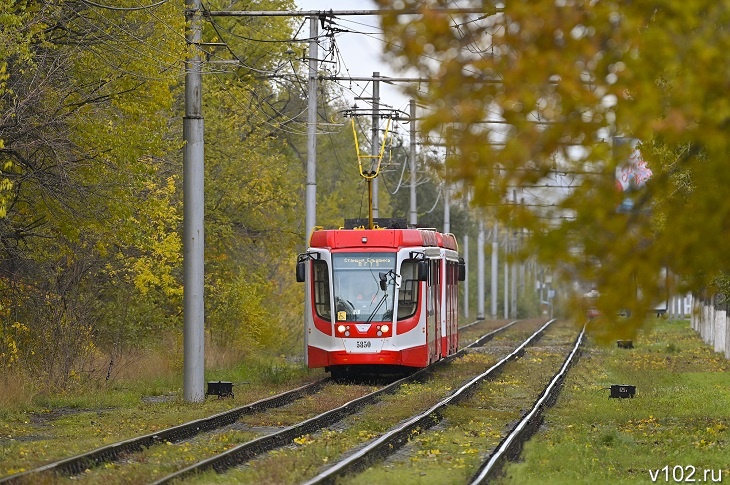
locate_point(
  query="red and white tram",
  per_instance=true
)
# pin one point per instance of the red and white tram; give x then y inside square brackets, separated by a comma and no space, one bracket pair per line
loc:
[380,300]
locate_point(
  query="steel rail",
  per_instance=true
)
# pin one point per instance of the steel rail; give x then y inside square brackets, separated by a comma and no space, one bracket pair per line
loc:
[390,441]
[109,453]
[511,445]
[79,463]
[246,451]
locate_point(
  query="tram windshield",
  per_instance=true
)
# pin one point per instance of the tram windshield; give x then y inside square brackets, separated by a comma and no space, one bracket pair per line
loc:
[357,291]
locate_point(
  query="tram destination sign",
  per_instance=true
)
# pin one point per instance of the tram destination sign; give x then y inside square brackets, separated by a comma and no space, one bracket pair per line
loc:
[353,262]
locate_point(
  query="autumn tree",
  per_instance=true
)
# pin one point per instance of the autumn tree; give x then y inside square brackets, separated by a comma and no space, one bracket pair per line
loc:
[524,89]
[91,228]
[252,181]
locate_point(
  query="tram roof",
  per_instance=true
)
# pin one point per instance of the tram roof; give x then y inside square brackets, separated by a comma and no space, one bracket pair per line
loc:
[381,239]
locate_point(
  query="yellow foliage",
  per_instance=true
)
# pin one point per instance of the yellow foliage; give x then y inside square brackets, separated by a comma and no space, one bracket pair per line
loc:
[556,81]
[10,336]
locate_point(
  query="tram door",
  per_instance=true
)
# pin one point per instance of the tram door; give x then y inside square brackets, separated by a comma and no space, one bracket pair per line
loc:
[446,330]
[434,314]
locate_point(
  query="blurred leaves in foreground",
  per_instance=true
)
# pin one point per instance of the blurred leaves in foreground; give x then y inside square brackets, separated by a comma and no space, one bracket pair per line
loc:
[531,94]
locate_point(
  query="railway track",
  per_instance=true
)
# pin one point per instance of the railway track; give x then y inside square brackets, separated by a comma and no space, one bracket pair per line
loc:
[79,463]
[491,463]
[77,466]
[511,445]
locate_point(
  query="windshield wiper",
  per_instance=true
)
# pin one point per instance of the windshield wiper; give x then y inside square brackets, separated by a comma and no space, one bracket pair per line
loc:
[380,303]
[383,285]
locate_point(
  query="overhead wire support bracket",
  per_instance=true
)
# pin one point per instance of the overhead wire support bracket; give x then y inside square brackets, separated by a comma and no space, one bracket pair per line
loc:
[390,114]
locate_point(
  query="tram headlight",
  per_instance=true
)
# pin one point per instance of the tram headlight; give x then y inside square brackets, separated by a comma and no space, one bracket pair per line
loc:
[385,328]
[341,328]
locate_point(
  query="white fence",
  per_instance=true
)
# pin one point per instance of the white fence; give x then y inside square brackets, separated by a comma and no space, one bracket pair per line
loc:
[680,306]
[711,322]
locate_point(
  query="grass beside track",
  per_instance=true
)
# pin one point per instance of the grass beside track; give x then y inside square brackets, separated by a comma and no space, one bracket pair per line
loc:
[52,427]
[675,430]
[49,427]
[679,419]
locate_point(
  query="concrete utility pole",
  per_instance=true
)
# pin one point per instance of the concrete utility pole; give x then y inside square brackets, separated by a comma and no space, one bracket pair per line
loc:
[480,271]
[447,200]
[193,214]
[374,145]
[514,285]
[523,263]
[513,237]
[310,195]
[465,255]
[413,211]
[310,203]
[495,269]
[495,255]
[505,289]
[447,208]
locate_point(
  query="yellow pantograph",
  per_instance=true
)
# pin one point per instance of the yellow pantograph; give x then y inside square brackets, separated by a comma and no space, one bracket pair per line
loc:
[369,175]
[372,173]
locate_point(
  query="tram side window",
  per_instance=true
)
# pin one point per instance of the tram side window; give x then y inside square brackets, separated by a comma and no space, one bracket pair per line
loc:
[408,292]
[432,284]
[321,289]
[435,286]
